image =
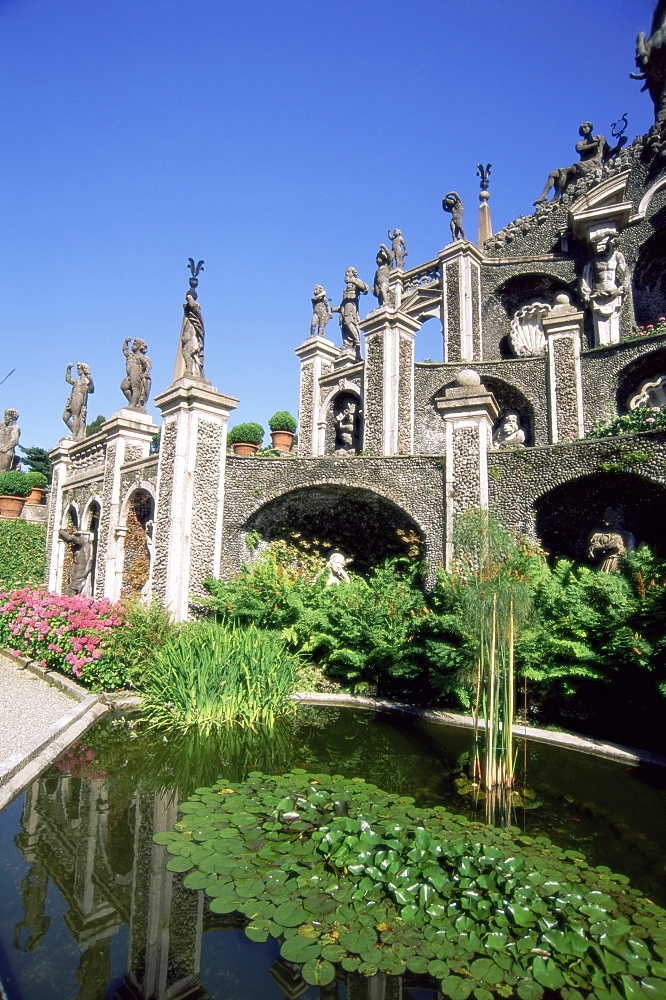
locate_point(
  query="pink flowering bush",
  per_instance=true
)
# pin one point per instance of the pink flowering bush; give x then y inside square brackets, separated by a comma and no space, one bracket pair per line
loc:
[67,634]
[649,330]
[643,418]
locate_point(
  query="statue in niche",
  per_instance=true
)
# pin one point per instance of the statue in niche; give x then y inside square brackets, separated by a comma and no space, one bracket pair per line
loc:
[346,425]
[398,248]
[336,564]
[76,409]
[593,151]
[348,309]
[10,433]
[82,559]
[527,338]
[604,285]
[136,385]
[149,528]
[607,546]
[452,203]
[651,61]
[380,288]
[509,433]
[321,311]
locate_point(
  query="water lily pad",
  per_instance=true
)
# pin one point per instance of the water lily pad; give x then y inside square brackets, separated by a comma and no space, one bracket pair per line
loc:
[318,972]
[223,905]
[290,914]
[454,987]
[179,864]
[298,949]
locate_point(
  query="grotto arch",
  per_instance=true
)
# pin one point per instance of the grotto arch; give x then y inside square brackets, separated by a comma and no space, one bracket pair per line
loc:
[567,514]
[630,378]
[367,526]
[513,293]
[135,540]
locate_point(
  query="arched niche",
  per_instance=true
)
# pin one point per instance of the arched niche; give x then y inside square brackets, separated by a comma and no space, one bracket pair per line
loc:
[138,518]
[429,342]
[342,421]
[649,278]
[70,522]
[90,523]
[567,514]
[515,292]
[364,525]
[509,399]
[629,380]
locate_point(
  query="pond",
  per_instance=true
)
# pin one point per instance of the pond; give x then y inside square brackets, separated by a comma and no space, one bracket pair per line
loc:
[90,911]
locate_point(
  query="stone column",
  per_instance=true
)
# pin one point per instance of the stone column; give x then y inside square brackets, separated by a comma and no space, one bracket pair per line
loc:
[460,262]
[317,355]
[190,491]
[55,551]
[128,434]
[389,382]
[468,410]
[563,329]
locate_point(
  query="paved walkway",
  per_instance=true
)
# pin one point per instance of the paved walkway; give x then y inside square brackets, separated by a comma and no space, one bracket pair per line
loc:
[28,706]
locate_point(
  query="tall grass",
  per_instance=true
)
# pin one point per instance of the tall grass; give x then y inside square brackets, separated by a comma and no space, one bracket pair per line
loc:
[212,675]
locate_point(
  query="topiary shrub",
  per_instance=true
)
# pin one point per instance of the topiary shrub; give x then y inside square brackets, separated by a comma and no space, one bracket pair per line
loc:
[250,433]
[15,484]
[282,421]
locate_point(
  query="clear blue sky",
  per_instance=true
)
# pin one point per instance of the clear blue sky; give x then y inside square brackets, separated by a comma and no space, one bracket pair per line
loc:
[277,141]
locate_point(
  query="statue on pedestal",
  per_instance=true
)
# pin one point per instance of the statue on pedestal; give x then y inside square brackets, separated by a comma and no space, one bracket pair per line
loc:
[10,433]
[609,544]
[398,248]
[76,408]
[348,309]
[321,311]
[604,285]
[190,361]
[380,287]
[452,203]
[136,385]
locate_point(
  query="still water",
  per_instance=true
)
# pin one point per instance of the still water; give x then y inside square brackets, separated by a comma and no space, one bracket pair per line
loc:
[89,911]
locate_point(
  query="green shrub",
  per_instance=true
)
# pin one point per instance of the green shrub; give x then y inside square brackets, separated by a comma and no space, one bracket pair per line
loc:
[643,418]
[37,480]
[250,433]
[133,646]
[22,553]
[14,484]
[282,421]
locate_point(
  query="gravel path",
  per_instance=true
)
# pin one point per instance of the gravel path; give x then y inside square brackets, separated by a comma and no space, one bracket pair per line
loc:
[28,706]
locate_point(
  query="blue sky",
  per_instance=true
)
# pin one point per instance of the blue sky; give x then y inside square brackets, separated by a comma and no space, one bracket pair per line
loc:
[277,141]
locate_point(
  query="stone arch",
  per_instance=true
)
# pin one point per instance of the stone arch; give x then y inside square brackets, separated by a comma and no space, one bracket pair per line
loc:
[432,343]
[510,295]
[337,399]
[649,277]
[135,535]
[366,525]
[567,514]
[90,519]
[510,399]
[631,377]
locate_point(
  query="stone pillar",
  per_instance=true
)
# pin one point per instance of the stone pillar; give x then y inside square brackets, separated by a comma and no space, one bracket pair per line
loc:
[485,225]
[55,551]
[389,382]
[190,491]
[460,262]
[128,434]
[469,411]
[563,329]
[317,355]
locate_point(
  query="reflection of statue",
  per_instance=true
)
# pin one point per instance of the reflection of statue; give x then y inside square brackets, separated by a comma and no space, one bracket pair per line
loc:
[192,337]
[453,203]
[136,385]
[348,309]
[509,433]
[33,896]
[651,61]
[77,404]
[603,286]
[346,426]
[321,311]
[593,151]
[82,557]
[336,564]
[380,287]
[10,433]
[398,248]
[609,544]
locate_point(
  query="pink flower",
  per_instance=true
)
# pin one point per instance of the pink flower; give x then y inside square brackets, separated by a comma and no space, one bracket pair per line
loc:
[649,420]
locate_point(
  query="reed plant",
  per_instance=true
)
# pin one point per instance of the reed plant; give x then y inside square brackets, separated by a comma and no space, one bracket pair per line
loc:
[209,675]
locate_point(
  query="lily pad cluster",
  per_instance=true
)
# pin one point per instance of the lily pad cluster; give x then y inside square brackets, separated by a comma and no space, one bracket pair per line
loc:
[342,872]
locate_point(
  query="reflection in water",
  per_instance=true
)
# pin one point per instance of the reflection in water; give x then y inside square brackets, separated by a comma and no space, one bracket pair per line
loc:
[87,826]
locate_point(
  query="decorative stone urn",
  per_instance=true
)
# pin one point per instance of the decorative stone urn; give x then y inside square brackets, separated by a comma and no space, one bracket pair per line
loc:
[11,507]
[282,440]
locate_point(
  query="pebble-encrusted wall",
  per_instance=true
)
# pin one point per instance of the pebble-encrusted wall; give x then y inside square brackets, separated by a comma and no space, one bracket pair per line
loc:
[610,375]
[163,512]
[210,437]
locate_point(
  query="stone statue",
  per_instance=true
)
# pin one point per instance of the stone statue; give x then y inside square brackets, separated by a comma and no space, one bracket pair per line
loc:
[346,426]
[509,433]
[321,311]
[82,558]
[192,336]
[10,433]
[453,203]
[651,61]
[136,385]
[77,405]
[336,564]
[604,285]
[593,150]
[527,338]
[608,545]
[348,309]
[380,287]
[398,248]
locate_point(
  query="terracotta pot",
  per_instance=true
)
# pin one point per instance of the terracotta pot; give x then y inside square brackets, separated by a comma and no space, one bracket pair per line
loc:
[11,506]
[36,495]
[244,448]
[282,440]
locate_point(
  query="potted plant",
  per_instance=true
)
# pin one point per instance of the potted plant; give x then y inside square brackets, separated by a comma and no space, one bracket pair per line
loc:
[246,439]
[14,488]
[282,426]
[38,482]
